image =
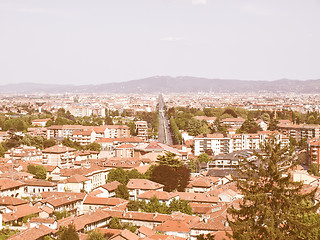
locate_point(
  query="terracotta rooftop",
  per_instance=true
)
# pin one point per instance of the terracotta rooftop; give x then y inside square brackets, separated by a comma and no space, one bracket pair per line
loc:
[173,226]
[76,179]
[143,184]
[32,233]
[58,149]
[11,201]
[6,183]
[111,186]
[160,195]
[92,200]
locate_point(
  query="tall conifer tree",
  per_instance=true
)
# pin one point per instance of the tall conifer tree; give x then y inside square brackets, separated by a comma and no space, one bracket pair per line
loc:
[273,206]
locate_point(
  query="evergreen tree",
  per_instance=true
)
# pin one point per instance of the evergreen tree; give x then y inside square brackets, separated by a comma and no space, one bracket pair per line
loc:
[273,124]
[273,206]
[95,235]
[169,159]
[122,192]
[68,233]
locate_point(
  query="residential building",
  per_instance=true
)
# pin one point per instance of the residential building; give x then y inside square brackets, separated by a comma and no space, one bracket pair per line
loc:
[59,155]
[142,129]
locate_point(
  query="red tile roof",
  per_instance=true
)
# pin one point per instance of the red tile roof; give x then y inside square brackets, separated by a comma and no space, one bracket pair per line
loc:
[32,233]
[144,184]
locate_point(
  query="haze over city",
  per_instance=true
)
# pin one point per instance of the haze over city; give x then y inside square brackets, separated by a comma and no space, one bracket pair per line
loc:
[81,42]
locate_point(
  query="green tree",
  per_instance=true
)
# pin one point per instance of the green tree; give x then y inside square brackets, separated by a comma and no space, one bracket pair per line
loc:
[49,143]
[172,178]
[314,169]
[205,237]
[95,235]
[68,233]
[273,124]
[122,192]
[69,143]
[249,126]
[132,127]
[203,157]
[273,205]
[169,159]
[62,214]
[265,117]
[114,223]
[108,120]
[192,165]
[39,171]
[119,175]
[49,123]
[93,147]
[194,127]
[2,150]
[35,141]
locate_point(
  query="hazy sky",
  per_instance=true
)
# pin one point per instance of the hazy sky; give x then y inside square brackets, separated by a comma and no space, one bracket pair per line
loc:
[99,41]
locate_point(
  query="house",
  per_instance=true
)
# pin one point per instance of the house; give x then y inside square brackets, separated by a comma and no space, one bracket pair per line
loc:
[97,174]
[15,214]
[229,196]
[59,155]
[40,122]
[125,235]
[198,197]
[162,196]
[35,233]
[86,222]
[25,154]
[76,183]
[108,145]
[107,190]
[153,149]
[48,222]
[53,172]
[125,151]
[91,203]
[179,228]
[199,185]
[36,186]
[11,188]
[11,201]
[139,186]
[60,201]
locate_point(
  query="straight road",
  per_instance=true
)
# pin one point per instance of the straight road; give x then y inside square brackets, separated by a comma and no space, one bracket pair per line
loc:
[164,128]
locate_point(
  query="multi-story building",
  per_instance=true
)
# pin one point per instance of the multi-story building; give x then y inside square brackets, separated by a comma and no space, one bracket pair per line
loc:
[313,150]
[300,131]
[59,155]
[142,129]
[84,137]
[87,134]
[62,131]
[219,144]
[233,123]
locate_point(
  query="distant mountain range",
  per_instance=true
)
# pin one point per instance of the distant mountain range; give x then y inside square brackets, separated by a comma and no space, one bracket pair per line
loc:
[167,84]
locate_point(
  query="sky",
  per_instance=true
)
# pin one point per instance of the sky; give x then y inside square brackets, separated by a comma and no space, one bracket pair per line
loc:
[102,41]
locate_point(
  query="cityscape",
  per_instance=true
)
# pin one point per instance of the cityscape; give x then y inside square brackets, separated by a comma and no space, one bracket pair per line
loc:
[159,120]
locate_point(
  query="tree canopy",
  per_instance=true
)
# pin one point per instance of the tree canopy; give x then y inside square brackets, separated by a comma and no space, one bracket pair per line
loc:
[273,207]
[171,173]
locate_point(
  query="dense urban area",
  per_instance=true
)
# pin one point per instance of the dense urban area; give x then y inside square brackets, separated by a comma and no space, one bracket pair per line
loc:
[159,166]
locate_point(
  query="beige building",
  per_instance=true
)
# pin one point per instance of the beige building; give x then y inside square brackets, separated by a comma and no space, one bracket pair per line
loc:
[76,184]
[59,155]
